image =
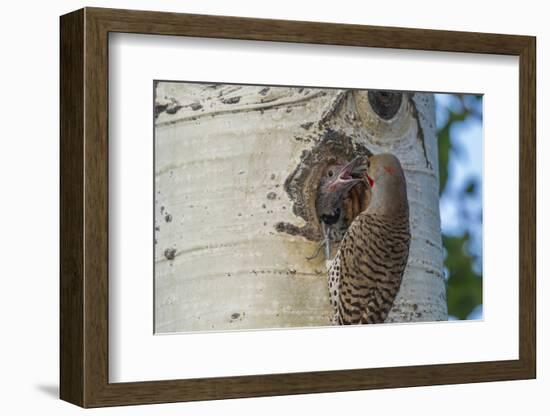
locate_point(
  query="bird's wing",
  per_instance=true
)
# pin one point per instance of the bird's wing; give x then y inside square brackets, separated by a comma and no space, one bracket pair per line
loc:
[364,272]
[372,265]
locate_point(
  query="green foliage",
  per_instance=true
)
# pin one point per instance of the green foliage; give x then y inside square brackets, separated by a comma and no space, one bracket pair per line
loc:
[464,283]
[464,288]
[445,146]
[470,188]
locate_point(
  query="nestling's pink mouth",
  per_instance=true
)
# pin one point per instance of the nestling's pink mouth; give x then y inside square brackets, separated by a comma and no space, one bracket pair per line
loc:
[348,175]
[348,172]
[345,175]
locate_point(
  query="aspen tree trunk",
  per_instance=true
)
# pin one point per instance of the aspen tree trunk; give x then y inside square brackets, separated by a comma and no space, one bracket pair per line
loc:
[235,178]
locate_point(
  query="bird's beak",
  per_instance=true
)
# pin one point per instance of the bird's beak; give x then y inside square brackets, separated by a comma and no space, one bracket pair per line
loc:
[348,176]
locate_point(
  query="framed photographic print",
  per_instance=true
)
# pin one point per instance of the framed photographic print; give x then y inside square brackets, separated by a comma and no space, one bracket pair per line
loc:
[245,201]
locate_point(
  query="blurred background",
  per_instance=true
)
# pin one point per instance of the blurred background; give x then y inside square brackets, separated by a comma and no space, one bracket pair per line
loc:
[459,125]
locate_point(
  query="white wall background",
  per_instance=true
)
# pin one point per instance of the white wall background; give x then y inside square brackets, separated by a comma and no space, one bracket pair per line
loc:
[29,212]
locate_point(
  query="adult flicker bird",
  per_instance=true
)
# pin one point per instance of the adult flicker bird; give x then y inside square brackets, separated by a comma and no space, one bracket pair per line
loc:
[366,272]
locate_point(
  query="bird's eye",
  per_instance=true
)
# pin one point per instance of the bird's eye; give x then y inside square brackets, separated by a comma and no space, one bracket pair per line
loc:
[330,173]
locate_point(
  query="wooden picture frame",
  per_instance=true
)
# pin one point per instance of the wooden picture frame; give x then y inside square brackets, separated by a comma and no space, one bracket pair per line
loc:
[84,207]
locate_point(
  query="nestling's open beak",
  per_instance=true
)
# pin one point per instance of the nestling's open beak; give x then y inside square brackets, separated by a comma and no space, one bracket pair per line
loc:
[348,176]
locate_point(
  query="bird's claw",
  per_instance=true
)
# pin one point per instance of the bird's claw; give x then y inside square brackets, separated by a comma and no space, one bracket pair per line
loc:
[317,251]
[327,241]
[324,242]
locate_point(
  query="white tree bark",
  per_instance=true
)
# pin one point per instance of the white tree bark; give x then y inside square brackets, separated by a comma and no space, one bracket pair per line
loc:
[235,176]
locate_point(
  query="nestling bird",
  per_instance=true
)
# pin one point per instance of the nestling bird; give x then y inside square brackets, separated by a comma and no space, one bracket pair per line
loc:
[366,272]
[335,205]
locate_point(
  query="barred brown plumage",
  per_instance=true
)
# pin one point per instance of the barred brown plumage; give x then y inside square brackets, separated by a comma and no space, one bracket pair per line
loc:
[365,275]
